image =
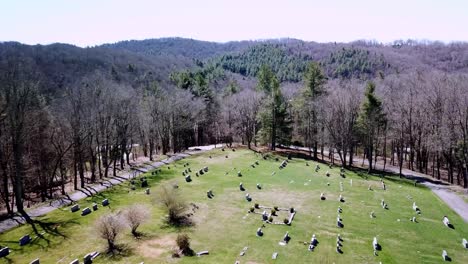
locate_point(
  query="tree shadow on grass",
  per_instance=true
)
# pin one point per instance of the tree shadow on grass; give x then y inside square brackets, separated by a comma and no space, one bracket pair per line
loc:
[119,252]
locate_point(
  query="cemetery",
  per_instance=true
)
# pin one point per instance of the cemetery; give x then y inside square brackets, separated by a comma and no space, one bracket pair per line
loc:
[279,210]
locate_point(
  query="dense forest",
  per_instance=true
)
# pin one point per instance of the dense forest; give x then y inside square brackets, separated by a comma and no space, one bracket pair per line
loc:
[71,115]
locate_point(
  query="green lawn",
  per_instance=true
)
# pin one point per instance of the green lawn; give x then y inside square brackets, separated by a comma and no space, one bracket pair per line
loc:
[224,228]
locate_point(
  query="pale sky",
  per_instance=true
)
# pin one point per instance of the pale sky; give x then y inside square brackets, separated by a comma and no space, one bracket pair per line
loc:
[93,22]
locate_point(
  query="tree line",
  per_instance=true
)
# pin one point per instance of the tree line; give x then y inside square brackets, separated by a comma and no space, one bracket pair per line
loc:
[97,123]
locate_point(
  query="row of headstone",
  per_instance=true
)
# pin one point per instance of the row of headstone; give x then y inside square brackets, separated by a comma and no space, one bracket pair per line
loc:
[339,244]
[88,258]
[155,172]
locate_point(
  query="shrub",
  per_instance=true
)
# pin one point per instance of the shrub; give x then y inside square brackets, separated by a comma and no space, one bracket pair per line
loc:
[276,208]
[257,205]
[270,219]
[108,227]
[173,203]
[252,209]
[273,212]
[136,215]
[291,210]
[286,221]
[183,242]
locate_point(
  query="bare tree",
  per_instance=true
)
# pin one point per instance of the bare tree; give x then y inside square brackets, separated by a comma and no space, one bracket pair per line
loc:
[135,215]
[108,227]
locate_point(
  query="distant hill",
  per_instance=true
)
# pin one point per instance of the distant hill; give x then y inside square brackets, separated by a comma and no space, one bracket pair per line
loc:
[130,61]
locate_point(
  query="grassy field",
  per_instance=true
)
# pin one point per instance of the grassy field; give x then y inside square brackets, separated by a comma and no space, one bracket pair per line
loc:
[224,228]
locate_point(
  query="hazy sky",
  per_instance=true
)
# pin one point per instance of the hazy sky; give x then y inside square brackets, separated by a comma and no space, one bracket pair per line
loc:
[91,22]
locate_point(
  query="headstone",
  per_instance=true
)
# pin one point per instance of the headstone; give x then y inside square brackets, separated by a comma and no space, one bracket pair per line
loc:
[209,193]
[258,186]
[189,170]
[307,164]
[4,252]
[275,255]
[317,168]
[75,208]
[369,188]
[446,221]
[36,261]
[341,186]
[313,243]
[85,211]
[144,183]
[248,198]
[257,163]
[188,178]
[24,240]
[201,253]
[183,173]
[239,174]
[445,257]
[133,187]
[339,210]
[322,197]
[375,244]
[415,208]
[88,258]
[372,214]
[201,172]
[328,174]
[259,232]
[264,216]
[95,206]
[105,202]
[205,169]
[241,187]
[147,191]
[341,199]
[464,243]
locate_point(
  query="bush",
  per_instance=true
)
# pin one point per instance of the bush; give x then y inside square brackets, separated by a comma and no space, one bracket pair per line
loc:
[286,221]
[183,242]
[276,208]
[270,219]
[173,203]
[108,227]
[273,212]
[252,209]
[135,215]
[291,210]
[257,205]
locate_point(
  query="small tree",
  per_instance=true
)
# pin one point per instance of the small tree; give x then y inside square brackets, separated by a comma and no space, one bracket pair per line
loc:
[183,242]
[136,215]
[173,203]
[109,227]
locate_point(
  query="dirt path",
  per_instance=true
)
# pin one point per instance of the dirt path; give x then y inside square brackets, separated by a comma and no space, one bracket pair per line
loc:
[93,189]
[445,191]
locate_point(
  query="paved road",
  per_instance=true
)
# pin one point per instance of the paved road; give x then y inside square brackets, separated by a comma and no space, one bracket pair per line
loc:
[440,188]
[93,189]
